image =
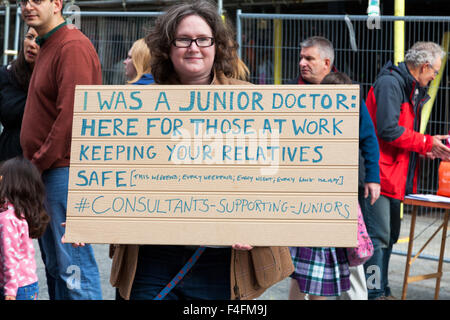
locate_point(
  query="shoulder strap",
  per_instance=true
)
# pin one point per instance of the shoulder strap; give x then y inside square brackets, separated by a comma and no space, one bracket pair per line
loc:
[192,260]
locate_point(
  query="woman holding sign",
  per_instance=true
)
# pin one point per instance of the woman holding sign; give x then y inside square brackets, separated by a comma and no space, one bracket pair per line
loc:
[190,45]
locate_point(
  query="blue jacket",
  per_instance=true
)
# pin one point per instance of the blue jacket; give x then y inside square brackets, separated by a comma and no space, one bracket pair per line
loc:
[146,78]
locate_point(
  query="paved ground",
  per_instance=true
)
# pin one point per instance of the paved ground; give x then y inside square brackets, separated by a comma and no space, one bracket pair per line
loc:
[423,290]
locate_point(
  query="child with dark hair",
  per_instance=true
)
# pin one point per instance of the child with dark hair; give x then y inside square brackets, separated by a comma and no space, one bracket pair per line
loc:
[22,217]
[336,78]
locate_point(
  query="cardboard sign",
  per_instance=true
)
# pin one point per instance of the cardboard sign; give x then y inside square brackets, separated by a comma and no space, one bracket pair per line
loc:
[214,165]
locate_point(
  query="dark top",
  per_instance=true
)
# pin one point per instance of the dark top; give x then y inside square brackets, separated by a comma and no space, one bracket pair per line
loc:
[12,105]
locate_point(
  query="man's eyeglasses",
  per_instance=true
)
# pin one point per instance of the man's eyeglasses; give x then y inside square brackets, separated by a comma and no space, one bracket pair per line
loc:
[34,3]
[200,42]
[436,72]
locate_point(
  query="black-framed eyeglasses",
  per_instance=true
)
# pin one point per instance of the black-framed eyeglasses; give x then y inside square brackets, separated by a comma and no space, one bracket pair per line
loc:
[34,3]
[436,72]
[202,42]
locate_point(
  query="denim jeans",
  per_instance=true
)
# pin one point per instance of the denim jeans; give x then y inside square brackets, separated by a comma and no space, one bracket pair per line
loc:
[209,277]
[72,273]
[383,226]
[29,292]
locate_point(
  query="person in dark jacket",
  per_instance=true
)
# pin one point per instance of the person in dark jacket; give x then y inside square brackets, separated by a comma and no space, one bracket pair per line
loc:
[191,45]
[316,62]
[14,81]
[395,102]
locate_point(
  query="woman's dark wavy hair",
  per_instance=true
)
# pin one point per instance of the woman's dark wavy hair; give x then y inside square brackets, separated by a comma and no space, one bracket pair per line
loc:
[21,71]
[160,38]
[22,186]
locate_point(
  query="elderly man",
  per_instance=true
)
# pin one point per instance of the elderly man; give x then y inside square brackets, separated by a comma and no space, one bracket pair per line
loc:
[394,102]
[316,61]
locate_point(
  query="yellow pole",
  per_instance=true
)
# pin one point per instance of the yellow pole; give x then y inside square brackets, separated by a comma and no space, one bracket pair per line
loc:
[399,44]
[277,39]
[399,32]
[434,86]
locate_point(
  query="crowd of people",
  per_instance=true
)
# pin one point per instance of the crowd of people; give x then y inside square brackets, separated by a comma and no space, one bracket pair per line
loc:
[190,44]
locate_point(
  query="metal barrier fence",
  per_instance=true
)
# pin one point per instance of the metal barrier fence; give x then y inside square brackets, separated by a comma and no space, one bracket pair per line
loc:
[2,31]
[270,47]
[113,35]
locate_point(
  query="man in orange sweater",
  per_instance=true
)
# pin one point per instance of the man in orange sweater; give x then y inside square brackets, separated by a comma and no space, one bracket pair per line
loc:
[67,58]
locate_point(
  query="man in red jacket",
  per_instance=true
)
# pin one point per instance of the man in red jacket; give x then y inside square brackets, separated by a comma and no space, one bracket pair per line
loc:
[395,102]
[66,59]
